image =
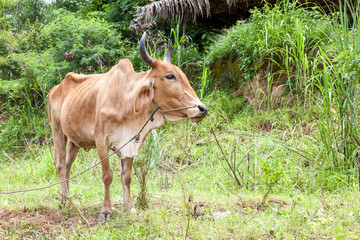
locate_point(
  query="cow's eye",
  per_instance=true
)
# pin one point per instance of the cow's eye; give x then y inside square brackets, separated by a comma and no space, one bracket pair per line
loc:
[170,76]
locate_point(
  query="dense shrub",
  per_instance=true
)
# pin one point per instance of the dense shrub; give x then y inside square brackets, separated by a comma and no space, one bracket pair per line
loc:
[81,45]
[7,41]
[268,30]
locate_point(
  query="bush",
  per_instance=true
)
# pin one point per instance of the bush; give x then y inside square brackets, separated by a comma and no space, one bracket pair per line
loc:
[81,45]
[269,30]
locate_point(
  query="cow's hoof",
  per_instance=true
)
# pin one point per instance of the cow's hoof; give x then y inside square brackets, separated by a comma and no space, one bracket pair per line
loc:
[131,211]
[106,216]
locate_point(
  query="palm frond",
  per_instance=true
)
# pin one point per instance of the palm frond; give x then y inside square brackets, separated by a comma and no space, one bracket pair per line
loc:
[172,9]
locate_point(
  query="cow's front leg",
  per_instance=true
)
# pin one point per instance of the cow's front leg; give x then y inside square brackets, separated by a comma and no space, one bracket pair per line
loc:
[126,165]
[107,177]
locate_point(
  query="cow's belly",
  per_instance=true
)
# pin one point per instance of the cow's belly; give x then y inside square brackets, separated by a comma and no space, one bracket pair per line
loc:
[82,136]
[78,122]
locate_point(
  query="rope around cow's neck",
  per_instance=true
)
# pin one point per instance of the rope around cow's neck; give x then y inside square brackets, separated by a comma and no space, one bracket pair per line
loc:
[170,110]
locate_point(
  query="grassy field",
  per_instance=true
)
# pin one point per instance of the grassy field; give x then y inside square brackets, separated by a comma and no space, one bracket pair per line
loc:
[257,167]
[285,190]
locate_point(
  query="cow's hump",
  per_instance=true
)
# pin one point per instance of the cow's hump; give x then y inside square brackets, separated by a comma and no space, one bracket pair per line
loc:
[125,66]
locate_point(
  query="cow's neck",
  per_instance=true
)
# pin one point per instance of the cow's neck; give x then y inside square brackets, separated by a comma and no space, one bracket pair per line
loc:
[132,127]
[129,122]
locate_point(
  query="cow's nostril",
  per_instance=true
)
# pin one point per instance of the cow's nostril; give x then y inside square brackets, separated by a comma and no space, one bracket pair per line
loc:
[202,109]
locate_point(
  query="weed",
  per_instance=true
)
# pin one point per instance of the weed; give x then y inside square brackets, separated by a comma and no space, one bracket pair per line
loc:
[204,80]
[151,152]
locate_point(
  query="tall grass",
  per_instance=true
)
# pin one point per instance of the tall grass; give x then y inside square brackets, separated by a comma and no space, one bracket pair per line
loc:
[283,26]
[150,154]
[339,87]
[204,80]
[313,69]
[25,122]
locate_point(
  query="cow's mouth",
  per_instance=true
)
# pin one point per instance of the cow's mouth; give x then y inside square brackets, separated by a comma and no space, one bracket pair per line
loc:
[197,118]
[193,119]
[194,113]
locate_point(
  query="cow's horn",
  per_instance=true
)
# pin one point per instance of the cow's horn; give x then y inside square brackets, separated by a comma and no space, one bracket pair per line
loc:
[168,54]
[143,53]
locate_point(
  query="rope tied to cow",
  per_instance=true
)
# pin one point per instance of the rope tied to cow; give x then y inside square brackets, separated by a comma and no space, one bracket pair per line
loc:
[135,137]
[151,118]
[176,109]
[171,110]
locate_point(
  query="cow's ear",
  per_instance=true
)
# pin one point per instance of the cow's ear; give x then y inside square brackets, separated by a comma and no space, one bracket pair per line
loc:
[144,95]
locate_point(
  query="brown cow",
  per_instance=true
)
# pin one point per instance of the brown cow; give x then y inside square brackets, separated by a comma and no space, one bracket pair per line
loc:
[104,111]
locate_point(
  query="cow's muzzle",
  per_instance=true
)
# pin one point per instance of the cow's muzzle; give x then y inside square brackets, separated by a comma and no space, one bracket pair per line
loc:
[200,115]
[203,110]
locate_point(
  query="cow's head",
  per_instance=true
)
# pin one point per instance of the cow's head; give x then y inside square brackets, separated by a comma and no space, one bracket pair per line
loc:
[168,87]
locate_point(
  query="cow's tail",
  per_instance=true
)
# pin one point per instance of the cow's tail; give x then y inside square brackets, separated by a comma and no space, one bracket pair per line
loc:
[48,108]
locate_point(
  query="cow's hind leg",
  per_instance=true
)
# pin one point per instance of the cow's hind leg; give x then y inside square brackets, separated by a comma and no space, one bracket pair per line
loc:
[60,158]
[107,177]
[71,153]
[126,165]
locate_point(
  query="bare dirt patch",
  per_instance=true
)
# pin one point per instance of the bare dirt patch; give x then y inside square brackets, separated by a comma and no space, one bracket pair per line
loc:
[29,223]
[265,126]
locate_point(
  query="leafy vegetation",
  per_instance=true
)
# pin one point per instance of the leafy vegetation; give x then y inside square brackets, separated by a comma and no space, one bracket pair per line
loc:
[281,29]
[266,166]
